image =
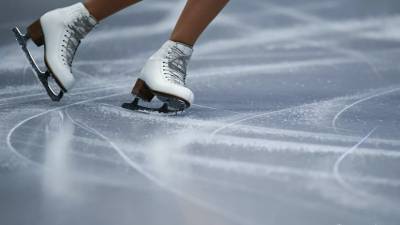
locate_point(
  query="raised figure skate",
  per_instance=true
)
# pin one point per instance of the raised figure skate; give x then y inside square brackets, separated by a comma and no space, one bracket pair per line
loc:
[164,76]
[60,31]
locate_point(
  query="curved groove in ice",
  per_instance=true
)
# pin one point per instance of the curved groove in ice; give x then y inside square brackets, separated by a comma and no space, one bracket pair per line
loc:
[10,133]
[248,129]
[44,96]
[266,170]
[246,118]
[337,116]
[154,179]
[339,178]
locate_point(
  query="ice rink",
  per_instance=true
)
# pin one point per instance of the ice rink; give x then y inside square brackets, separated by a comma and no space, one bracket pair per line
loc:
[296,121]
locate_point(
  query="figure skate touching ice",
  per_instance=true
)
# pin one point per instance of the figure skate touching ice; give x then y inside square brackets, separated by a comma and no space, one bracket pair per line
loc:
[60,31]
[164,74]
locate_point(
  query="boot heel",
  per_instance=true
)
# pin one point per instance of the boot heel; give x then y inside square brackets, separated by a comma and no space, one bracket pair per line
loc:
[142,91]
[35,32]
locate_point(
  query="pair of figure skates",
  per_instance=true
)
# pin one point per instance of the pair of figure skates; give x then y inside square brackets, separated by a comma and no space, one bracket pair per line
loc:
[61,31]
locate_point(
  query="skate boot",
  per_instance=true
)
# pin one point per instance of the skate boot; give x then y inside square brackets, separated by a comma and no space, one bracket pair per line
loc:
[60,31]
[164,76]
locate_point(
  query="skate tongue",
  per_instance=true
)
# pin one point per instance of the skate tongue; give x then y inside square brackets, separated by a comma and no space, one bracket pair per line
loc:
[81,9]
[186,49]
[92,20]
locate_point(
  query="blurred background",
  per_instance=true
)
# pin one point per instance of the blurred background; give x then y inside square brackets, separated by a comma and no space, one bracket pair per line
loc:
[296,120]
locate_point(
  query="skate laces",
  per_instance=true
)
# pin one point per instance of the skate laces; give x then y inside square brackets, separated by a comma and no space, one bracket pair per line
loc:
[76,31]
[175,67]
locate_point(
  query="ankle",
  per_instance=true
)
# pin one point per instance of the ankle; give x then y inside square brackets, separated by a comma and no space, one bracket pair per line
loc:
[187,43]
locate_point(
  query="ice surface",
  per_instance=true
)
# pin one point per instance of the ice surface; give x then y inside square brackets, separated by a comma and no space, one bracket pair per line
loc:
[296,121]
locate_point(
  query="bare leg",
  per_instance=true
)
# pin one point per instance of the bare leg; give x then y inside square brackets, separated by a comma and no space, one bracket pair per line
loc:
[194,19]
[101,9]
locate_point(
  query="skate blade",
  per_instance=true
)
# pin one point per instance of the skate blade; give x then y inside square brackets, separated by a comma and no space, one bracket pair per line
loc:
[43,77]
[173,102]
[134,106]
[144,92]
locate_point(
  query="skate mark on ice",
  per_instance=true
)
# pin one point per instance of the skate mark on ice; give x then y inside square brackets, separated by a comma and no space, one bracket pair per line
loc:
[160,183]
[313,19]
[36,87]
[337,116]
[12,130]
[253,145]
[317,20]
[213,108]
[354,55]
[14,90]
[43,96]
[290,34]
[246,118]
[339,178]
[259,142]
[288,170]
[267,170]
[246,169]
[274,68]
[237,167]
[263,145]
[5,101]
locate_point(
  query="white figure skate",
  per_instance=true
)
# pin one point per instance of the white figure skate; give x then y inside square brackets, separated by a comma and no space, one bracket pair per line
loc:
[164,76]
[60,31]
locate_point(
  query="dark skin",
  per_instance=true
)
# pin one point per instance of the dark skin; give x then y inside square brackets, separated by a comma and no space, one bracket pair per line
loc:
[194,19]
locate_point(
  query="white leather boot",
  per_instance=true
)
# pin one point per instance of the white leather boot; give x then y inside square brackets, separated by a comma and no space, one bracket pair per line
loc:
[61,31]
[164,76]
